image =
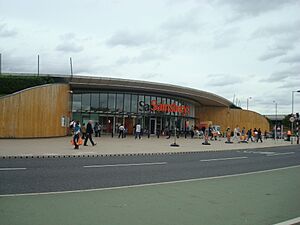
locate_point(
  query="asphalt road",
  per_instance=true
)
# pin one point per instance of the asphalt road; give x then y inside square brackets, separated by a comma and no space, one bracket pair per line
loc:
[66,174]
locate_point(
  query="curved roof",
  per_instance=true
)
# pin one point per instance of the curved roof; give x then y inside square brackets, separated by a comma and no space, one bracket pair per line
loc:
[201,97]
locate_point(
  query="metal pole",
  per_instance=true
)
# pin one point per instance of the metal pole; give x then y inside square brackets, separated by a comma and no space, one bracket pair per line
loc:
[0,64]
[38,72]
[275,121]
[174,144]
[293,111]
[248,102]
[71,67]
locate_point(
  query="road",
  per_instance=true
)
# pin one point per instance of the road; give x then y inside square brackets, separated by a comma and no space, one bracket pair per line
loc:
[20,176]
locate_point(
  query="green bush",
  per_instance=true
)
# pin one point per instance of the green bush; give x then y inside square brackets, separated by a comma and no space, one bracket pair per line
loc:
[10,84]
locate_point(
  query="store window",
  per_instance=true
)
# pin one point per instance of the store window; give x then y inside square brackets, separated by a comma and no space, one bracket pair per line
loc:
[134,103]
[159,100]
[76,102]
[111,102]
[141,103]
[95,101]
[86,102]
[153,98]
[147,104]
[103,102]
[127,103]
[119,105]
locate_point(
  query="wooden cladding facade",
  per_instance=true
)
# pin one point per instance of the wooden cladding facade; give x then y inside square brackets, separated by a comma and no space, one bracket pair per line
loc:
[40,111]
[226,117]
[35,112]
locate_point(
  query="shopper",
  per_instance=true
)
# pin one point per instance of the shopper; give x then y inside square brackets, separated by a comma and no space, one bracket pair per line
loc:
[83,131]
[96,129]
[76,136]
[249,134]
[121,131]
[259,135]
[89,134]
[236,133]
[138,131]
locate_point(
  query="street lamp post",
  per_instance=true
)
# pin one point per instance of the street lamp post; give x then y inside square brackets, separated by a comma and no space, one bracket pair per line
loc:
[248,101]
[275,132]
[293,92]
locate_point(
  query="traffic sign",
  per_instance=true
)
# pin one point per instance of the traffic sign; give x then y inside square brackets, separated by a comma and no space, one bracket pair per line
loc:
[292,119]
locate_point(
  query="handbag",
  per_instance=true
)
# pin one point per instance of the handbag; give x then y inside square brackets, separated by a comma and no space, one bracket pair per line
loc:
[79,142]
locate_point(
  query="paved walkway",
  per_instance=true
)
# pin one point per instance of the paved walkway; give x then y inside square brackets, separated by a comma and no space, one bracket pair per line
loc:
[106,145]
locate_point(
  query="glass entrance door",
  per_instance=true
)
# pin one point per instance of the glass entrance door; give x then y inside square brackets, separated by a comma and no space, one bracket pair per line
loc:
[153,126]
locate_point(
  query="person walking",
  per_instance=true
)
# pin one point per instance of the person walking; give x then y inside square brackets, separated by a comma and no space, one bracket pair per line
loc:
[76,134]
[192,132]
[89,134]
[249,134]
[259,137]
[255,134]
[138,131]
[99,129]
[228,136]
[96,129]
[236,133]
[83,131]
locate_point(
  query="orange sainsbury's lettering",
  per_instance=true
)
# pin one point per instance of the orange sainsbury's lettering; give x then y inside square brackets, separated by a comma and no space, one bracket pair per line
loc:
[172,108]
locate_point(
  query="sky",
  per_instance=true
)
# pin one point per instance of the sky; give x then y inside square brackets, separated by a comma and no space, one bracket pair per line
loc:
[244,51]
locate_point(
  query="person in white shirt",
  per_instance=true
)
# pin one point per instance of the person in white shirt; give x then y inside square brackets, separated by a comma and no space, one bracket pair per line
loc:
[236,133]
[138,131]
[121,131]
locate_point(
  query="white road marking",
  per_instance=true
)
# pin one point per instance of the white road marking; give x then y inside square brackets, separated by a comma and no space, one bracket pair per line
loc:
[283,153]
[259,152]
[11,169]
[222,159]
[150,184]
[290,222]
[120,165]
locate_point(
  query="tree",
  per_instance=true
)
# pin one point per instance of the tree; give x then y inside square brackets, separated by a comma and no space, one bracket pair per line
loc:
[286,122]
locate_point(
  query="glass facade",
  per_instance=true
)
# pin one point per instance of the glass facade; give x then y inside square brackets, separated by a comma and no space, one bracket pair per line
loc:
[111,109]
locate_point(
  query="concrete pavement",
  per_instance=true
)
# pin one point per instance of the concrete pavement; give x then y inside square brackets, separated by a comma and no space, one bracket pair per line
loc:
[106,145]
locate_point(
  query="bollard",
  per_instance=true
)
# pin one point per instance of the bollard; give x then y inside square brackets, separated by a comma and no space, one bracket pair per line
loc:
[293,140]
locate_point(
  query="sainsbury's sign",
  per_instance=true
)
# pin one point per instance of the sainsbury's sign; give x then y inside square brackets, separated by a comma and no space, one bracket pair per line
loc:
[167,108]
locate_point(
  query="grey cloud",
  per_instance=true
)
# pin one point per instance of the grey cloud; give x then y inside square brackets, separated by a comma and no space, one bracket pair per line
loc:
[69,44]
[127,39]
[289,31]
[221,80]
[123,60]
[68,36]
[226,37]
[285,37]
[69,47]
[291,84]
[185,23]
[146,55]
[255,7]
[272,54]
[291,59]
[6,32]
[284,75]
[11,63]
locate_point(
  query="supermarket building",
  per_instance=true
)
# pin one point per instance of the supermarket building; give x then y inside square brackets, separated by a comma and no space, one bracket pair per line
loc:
[45,111]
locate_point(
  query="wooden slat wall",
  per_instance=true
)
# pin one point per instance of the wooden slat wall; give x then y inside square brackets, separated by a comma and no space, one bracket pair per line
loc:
[35,112]
[226,117]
